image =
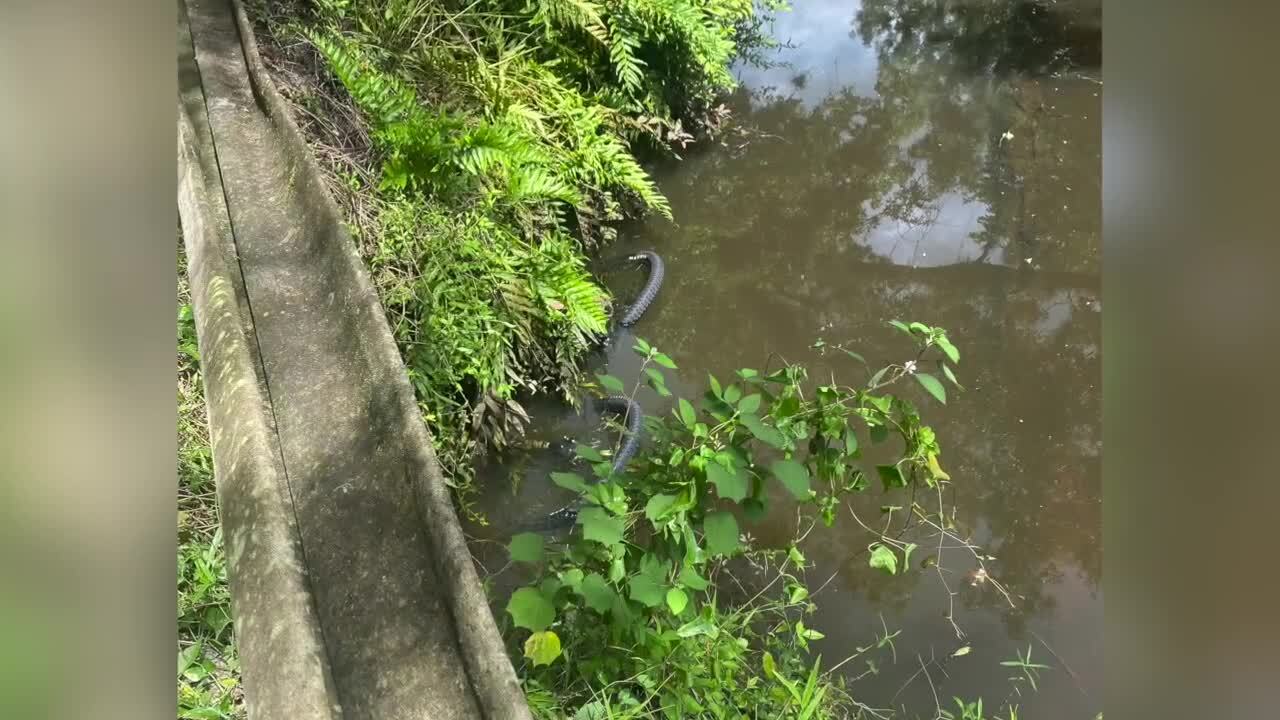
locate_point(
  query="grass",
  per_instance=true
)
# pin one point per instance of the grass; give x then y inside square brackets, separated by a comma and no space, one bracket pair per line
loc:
[208,669]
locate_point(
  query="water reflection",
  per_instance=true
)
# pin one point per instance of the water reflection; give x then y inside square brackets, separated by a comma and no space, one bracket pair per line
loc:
[937,161]
[933,160]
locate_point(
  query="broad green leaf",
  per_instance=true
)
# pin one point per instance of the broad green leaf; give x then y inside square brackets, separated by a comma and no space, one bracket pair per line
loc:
[732,394]
[530,610]
[721,531]
[920,328]
[664,361]
[597,592]
[796,557]
[770,667]
[648,586]
[642,347]
[794,477]
[715,386]
[542,647]
[657,382]
[933,385]
[612,383]
[731,484]
[598,525]
[901,326]
[572,578]
[884,559]
[690,578]
[750,403]
[950,350]
[677,600]
[658,505]
[590,454]
[764,433]
[526,548]
[569,481]
[701,626]
[799,594]
[850,441]
[891,476]
[687,414]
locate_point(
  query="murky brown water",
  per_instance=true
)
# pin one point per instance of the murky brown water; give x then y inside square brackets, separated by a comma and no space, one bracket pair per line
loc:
[927,164]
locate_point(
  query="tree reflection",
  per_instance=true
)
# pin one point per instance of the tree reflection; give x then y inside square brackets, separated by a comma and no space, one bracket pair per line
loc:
[976,159]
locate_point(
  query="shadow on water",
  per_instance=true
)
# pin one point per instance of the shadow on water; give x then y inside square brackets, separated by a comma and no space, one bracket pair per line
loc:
[925,160]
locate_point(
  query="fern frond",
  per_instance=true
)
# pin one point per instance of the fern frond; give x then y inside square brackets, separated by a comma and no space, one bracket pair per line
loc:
[381,96]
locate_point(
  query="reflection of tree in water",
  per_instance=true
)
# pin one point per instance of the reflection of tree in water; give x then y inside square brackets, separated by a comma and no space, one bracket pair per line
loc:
[772,239]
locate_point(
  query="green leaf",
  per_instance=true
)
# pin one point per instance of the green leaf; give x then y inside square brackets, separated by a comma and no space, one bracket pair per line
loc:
[657,382]
[854,355]
[934,387]
[542,647]
[594,710]
[701,626]
[794,477]
[598,525]
[590,454]
[807,633]
[920,328]
[677,600]
[884,559]
[597,592]
[731,483]
[572,578]
[750,403]
[611,383]
[690,578]
[764,433]
[962,651]
[850,441]
[526,548]
[950,350]
[642,347]
[946,370]
[901,326]
[658,506]
[715,386]
[687,414]
[799,594]
[664,361]
[721,531]
[891,476]
[569,481]
[731,394]
[646,586]
[529,609]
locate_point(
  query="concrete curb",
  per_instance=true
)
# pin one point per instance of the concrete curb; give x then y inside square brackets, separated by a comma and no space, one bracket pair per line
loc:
[353,589]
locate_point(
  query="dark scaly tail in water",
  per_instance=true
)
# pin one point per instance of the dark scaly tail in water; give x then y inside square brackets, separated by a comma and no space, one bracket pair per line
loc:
[633,419]
[630,411]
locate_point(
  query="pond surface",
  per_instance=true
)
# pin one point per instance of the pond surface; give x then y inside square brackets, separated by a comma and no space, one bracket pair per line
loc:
[924,160]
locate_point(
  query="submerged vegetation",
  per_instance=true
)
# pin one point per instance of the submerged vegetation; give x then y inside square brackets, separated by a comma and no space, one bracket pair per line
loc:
[494,144]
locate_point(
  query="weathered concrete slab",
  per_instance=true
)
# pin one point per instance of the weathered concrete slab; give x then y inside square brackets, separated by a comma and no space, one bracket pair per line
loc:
[352,587]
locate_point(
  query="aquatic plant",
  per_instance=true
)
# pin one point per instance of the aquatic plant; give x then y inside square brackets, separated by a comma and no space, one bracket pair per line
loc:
[659,603]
